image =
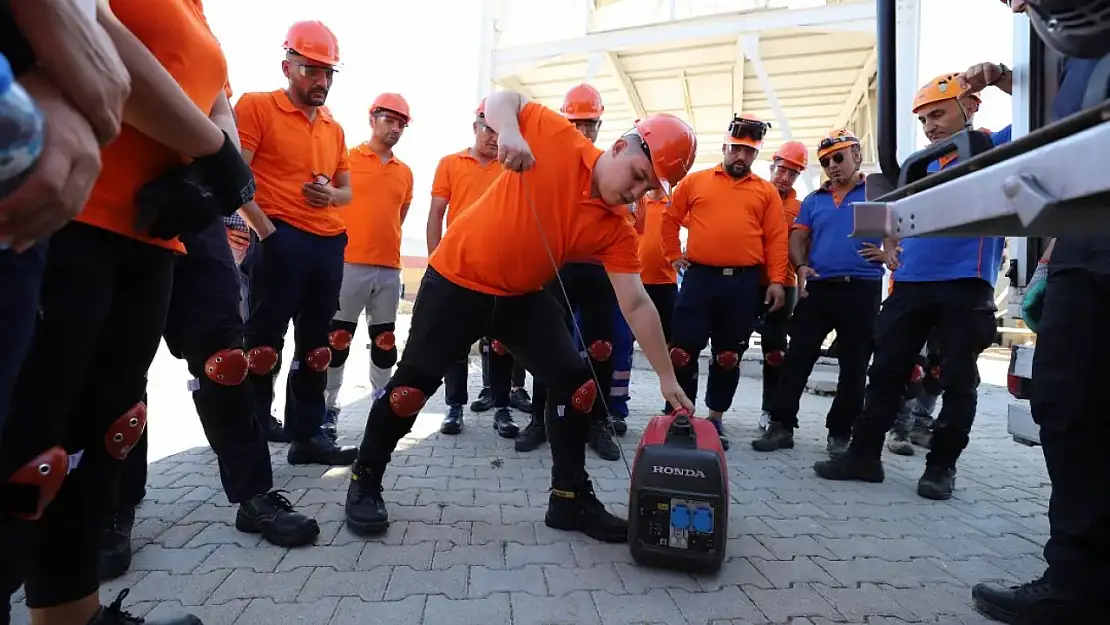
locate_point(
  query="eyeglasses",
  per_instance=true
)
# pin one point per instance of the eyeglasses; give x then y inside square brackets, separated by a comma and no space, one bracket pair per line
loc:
[837,158]
[315,72]
[749,129]
[387,114]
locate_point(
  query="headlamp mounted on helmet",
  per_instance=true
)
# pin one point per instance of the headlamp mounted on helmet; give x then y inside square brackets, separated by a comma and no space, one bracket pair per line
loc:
[750,129]
[832,143]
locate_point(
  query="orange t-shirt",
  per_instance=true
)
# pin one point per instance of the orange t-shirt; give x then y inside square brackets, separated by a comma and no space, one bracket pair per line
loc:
[461,179]
[497,246]
[791,205]
[657,269]
[177,34]
[380,191]
[290,151]
[731,223]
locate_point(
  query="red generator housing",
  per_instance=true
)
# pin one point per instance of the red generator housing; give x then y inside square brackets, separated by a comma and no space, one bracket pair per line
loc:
[678,499]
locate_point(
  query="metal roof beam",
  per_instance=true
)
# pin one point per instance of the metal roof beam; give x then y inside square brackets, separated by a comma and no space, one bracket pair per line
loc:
[738,78]
[859,89]
[613,65]
[750,44]
[686,99]
[720,25]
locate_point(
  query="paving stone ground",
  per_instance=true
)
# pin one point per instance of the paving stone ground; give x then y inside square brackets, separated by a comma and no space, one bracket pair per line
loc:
[468,543]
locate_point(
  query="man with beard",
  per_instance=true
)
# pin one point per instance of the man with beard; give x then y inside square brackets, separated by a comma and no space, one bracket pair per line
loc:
[460,179]
[734,220]
[298,154]
[840,288]
[382,189]
[945,285]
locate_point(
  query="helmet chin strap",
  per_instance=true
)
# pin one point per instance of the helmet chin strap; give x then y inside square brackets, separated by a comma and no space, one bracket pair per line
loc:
[570,311]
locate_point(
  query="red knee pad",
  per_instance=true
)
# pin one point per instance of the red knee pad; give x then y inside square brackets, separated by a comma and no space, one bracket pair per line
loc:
[775,358]
[679,357]
[45,473]
[916,374]
[407,401]
[318,359]
[340,339]
[583,399]
[227,367]
[262,360]
[600,351]
[728,360]
[125,432]
[498,347]
[385,341]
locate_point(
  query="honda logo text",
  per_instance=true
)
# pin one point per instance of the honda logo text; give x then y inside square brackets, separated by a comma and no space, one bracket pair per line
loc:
[677,471]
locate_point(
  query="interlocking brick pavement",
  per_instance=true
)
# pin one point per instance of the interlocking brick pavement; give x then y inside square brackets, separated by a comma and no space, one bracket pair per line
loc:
[468,543]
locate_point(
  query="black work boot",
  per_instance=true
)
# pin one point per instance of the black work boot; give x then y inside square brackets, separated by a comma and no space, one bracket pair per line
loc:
[601,441]
[275,431]
[453,422]
[331,423]
[115,550]
[504,424]
[533,435]
[521,400]
[898,442]
[272,515]
[114,614]
[574,507]
[837,444]
[484,401]
[365,508]
[320,450]
[937,483]
[850,467]
[620,425]
[777,437]
[1033,603]
[922,432]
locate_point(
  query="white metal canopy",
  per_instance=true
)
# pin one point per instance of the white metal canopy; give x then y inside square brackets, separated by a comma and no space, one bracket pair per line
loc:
[804,70]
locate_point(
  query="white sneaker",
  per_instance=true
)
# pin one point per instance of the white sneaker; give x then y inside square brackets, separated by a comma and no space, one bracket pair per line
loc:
[764,420]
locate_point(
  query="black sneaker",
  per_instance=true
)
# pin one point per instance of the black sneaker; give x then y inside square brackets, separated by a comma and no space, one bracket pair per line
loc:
[331,423]
[320,450]
[533,435]
[484,402]
[272,515]
[275,431]
[1033,603]
[504,424]
[937,483]
[520,400]
[575,508]
[848,467]
[620,424]
[115,550]
[775,438]
[115,615]
[601,441]
[837,444]
[453,422]
[365,508]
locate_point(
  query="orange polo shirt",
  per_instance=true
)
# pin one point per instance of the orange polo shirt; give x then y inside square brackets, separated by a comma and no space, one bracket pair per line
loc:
[177,34]
[790,208]
[657,269]
[497,247]
[461,179]
[731,223]
[289,151]
[380,191]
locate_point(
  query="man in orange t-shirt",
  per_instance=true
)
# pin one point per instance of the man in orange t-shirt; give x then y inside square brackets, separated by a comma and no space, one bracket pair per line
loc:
[382,189]
[298,154]
[487,278]
[460,179]
[736,230]
[789,161]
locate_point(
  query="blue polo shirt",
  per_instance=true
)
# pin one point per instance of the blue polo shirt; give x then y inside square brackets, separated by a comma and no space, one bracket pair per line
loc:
[936,259]
[833,253]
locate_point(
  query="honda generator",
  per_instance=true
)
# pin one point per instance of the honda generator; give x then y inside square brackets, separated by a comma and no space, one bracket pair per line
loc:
[678,500]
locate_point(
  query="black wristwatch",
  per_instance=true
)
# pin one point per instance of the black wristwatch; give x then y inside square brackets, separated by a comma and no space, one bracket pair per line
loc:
[1005,70]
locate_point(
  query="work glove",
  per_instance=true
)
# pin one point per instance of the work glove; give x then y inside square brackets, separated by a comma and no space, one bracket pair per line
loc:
[1032,305]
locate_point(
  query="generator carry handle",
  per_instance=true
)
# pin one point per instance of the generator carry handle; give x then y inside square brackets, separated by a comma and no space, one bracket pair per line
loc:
[681,433]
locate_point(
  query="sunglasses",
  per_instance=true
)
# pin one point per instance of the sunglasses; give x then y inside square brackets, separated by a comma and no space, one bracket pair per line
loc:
[315,71]
[837,158]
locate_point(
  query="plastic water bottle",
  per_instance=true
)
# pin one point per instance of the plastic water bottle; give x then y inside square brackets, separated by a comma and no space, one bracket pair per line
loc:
[21,131]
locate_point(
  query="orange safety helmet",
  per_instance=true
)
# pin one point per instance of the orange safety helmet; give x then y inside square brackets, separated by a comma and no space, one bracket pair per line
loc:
[582,102]
[392,102]
[836,141]
[746,130]
[943,87]
[672,145]
[793,153]
[313,40]
[481,110]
